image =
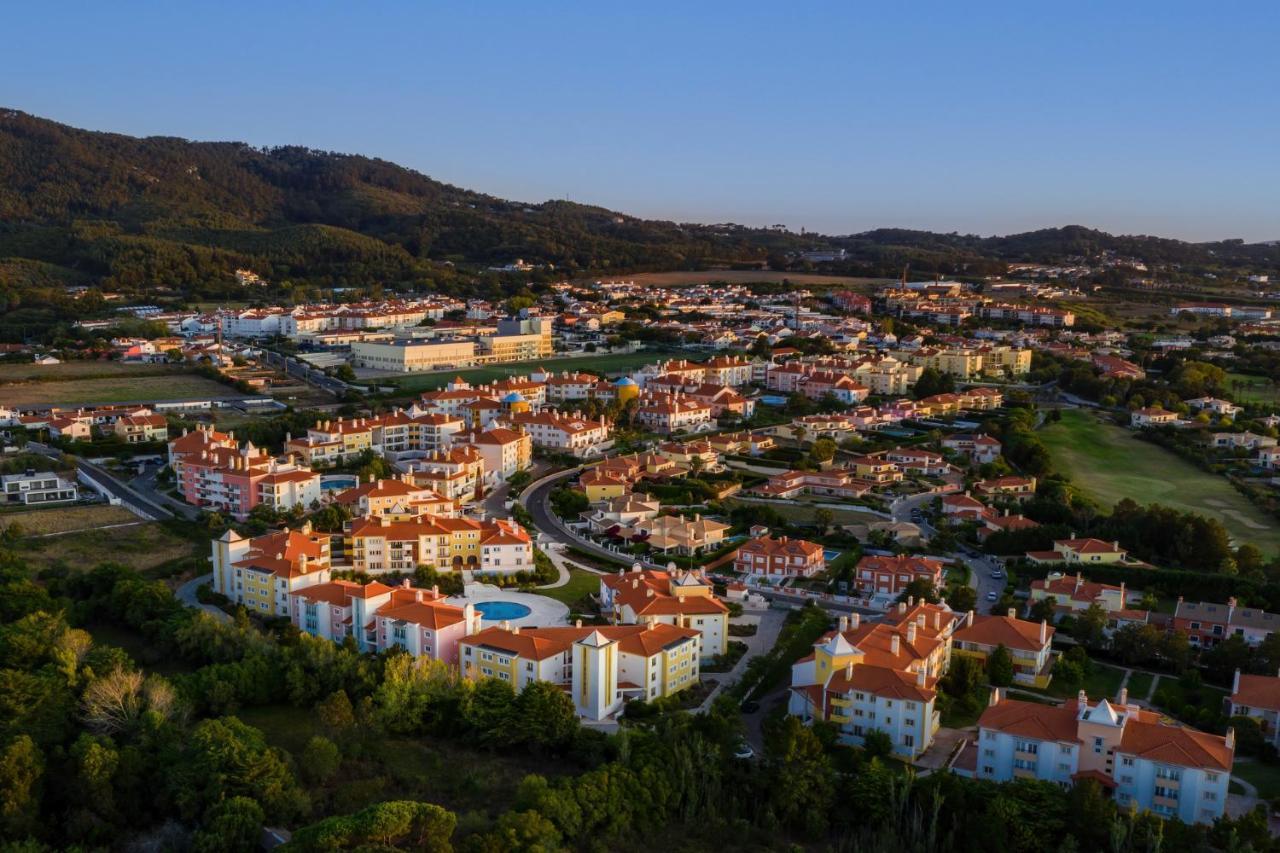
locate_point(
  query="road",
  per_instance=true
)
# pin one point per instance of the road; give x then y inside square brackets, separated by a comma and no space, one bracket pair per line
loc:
[187,595]
[149,487]
[133,500]
[301,370]
[980,565]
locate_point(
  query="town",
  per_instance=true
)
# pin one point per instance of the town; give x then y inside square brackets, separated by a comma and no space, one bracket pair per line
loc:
[842,507]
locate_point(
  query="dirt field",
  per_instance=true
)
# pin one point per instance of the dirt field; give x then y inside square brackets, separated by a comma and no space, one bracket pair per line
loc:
[676,279]
[82,370]
[123,388]
[38,522]
[143,546]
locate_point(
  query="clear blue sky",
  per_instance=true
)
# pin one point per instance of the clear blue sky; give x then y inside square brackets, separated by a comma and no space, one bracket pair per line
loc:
[1130,116]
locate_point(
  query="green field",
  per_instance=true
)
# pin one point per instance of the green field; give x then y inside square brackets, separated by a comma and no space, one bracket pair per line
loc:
[1252,389]
[124,388]
[607,363]
[1110,463]
[581,583]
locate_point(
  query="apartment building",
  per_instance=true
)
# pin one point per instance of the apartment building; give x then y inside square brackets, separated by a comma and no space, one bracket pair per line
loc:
[1140,758]
[565,433]
[670,413]
[1029,643]
[505,451]
[260,573]
[398,499]
[449,544]
[600,667]
[1258,697]
[866,677]
[779,558]
[684,599]
[380,617]
[235,480]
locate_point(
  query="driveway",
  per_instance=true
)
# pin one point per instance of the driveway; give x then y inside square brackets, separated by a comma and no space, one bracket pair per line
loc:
[187,595]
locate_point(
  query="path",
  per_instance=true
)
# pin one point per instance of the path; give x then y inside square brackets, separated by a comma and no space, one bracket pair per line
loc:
[766,635]
[187,595]
[563,566]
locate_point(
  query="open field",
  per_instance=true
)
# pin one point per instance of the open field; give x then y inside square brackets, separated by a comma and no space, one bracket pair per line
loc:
[581,583]
[144,546]
[606,363]
[39,522]
[675,279]
[69,370]
[1110,464]
[1252,389]
[170,385]
[800,512]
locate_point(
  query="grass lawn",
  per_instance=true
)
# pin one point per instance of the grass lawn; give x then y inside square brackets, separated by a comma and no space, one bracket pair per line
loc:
[1109,463]
[167,385]
[147,546]
[69,370]
[1140,685]
[605,363]
[37,522]
[1102,682]
[580,583]
[1264,777]
[799,512]
[1252,389]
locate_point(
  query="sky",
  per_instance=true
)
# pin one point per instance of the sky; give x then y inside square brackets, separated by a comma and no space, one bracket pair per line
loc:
[988,118]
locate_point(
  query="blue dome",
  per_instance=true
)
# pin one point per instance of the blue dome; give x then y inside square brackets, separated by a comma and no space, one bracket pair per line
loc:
[626,380]
[513,397]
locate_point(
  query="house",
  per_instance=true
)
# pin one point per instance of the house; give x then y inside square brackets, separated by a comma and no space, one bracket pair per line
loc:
[779,558]
[915,461]
[141,428]
[1005,522]
[1258,696]
[600,667]
[398,499]
[1152,417]
[1029,643]
[1144,761]
[980,449]
[1222,408]
[260,573]
[603,485]
[836,482]
[668,533]
[1080,551]
[1010,487]
[866,677]
[37,487]
[1206,624]
[212,472]
[1074,594]
[619,515]
[671,597]
[879,575]
[380,617]
[71,429]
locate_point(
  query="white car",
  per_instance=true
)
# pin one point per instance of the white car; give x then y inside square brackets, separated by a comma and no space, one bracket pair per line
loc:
[991,596]
[744,751]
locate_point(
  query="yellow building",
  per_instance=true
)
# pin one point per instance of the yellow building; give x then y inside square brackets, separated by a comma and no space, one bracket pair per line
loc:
[674,597]
[603,485]
[602,667]
[1029,643]
[261,572]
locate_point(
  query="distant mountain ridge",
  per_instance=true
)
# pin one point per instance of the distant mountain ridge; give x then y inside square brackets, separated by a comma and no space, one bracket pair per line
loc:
[139,213]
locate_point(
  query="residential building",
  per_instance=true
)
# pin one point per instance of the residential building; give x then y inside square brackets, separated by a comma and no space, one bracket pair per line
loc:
[1258,697]
[1206,624]
[1152,417]
[37,487]
[260,573]
[1081,551]
[684,599]
[560,433]
[673,533]
[1074,594]
[779,558]
[600,667]
[880,575]
[1029,643]
[1144,761]
[141,428]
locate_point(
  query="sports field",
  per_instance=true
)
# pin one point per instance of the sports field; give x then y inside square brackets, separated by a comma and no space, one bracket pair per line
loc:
[1110,463]
[606,363]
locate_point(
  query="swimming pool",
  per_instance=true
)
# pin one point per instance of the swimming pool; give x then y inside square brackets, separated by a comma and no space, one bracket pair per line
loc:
[829,555]
[496,611]
[338,482]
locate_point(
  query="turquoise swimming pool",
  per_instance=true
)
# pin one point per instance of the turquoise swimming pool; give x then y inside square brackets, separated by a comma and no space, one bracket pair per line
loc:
[497,611]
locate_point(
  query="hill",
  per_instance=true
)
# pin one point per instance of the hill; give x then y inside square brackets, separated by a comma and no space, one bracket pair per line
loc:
[170,219]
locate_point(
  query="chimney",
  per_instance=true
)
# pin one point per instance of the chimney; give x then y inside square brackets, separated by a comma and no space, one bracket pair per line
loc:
[516,630]
[1082,698]
[1123,698]
[894,644]
[1231,739]
[1012,613]
[911,601]
[1123,597]
[1235,683]
[911,632]
[968,619]
[577,623]
[854,621]
[995,697]
[504,625]
[920,676]
[937,620]
[902,607]
[844,624]
[1044,630]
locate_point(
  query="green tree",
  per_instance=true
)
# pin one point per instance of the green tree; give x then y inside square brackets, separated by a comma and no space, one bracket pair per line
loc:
[21,774]
[231,826]
[1090,627]
[878,743]
[225,758]
[822,450]
[1000,667]
[490,711]
[804,784]
[320,759]
[393,824]
[1042,610]
[544,716]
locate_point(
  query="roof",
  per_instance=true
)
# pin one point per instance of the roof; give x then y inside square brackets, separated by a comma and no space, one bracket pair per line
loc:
[1258,691]
[543,643]
[1006,631]
[1031,719]
[1172,744]
[883,681]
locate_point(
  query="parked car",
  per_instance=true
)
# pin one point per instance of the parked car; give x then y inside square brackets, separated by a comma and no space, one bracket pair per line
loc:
[997,574]
[991,596]
[744,751]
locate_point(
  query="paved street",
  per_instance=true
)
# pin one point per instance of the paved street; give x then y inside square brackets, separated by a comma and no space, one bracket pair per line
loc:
[187,595]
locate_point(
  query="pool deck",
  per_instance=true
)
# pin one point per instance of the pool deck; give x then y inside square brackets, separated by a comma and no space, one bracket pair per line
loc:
[544,612]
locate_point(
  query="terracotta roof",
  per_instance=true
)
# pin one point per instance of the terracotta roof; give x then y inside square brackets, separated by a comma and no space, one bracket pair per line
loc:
[883,681]
[1004,630]
[1031,719]
[1258,691]
[1171,744]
